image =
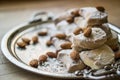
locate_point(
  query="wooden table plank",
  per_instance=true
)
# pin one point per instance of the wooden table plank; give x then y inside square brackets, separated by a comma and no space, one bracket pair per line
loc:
[3,59]
[8,68]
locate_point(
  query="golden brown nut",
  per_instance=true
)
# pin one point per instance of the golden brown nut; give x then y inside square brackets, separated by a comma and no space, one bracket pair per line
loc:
[60,36]
[70,19]
[34,63]
[100,8]
[42,33]
[117,55]
[21,44]
[51,54]
[74,55]
[42,58]
[77,31]
[26,40]
[87,32]
[66,45]
[49,42]
[75,13]
[35,39]
[114,47]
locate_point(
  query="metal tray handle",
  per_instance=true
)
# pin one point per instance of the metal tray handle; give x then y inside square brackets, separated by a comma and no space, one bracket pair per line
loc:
[41,16]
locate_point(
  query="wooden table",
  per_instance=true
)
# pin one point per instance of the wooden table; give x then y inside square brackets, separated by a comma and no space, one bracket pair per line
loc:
[14,13]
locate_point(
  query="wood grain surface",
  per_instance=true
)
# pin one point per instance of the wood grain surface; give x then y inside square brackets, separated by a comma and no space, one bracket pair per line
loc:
[14,13]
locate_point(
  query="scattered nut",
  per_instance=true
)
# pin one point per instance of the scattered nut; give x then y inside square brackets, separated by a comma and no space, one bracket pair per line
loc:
[35,39]
[51,54]
[49,43]
[100,8]
[70,19]
[60,36]
[34,63]
[42,58]
[66,45]
[117,55]
[21,44]
[114,48]
[77,31]
[42,33]
[75,13]
[74,55]
[26,40]
[87,32]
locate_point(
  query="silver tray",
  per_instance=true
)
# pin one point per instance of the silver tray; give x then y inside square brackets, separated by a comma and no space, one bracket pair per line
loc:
[8,43]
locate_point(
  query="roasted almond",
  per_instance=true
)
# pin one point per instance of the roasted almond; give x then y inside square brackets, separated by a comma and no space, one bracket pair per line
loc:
[100,8]
[42,33]
[75,13]
[21,44]
[66,45]
[117,55]
[87,32]
[77,31]
[26,40]
[42,58]
[114,48]
[34,63]
[74,55]
[60,36]
[35,39]
[49,42]
[70,19]
[51,54]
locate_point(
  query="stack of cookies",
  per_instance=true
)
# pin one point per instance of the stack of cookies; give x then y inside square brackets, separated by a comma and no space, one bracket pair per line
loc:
[93,43]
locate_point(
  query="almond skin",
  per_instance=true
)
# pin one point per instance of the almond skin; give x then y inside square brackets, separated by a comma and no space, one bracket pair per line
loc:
[35,39]
[114,48]
[60,36]
[70,19]
[21,44]
[51,54]
[74,55]
[87,32]
[49,42]
[42,58]
[117,55]
[34,63]
[66,45]
[77,31]
[75,13]
[100,8]
[42,33]
[26,40]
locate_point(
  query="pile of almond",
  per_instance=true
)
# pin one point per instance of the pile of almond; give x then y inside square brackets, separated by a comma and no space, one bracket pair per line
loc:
[42,59]
[26,41]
